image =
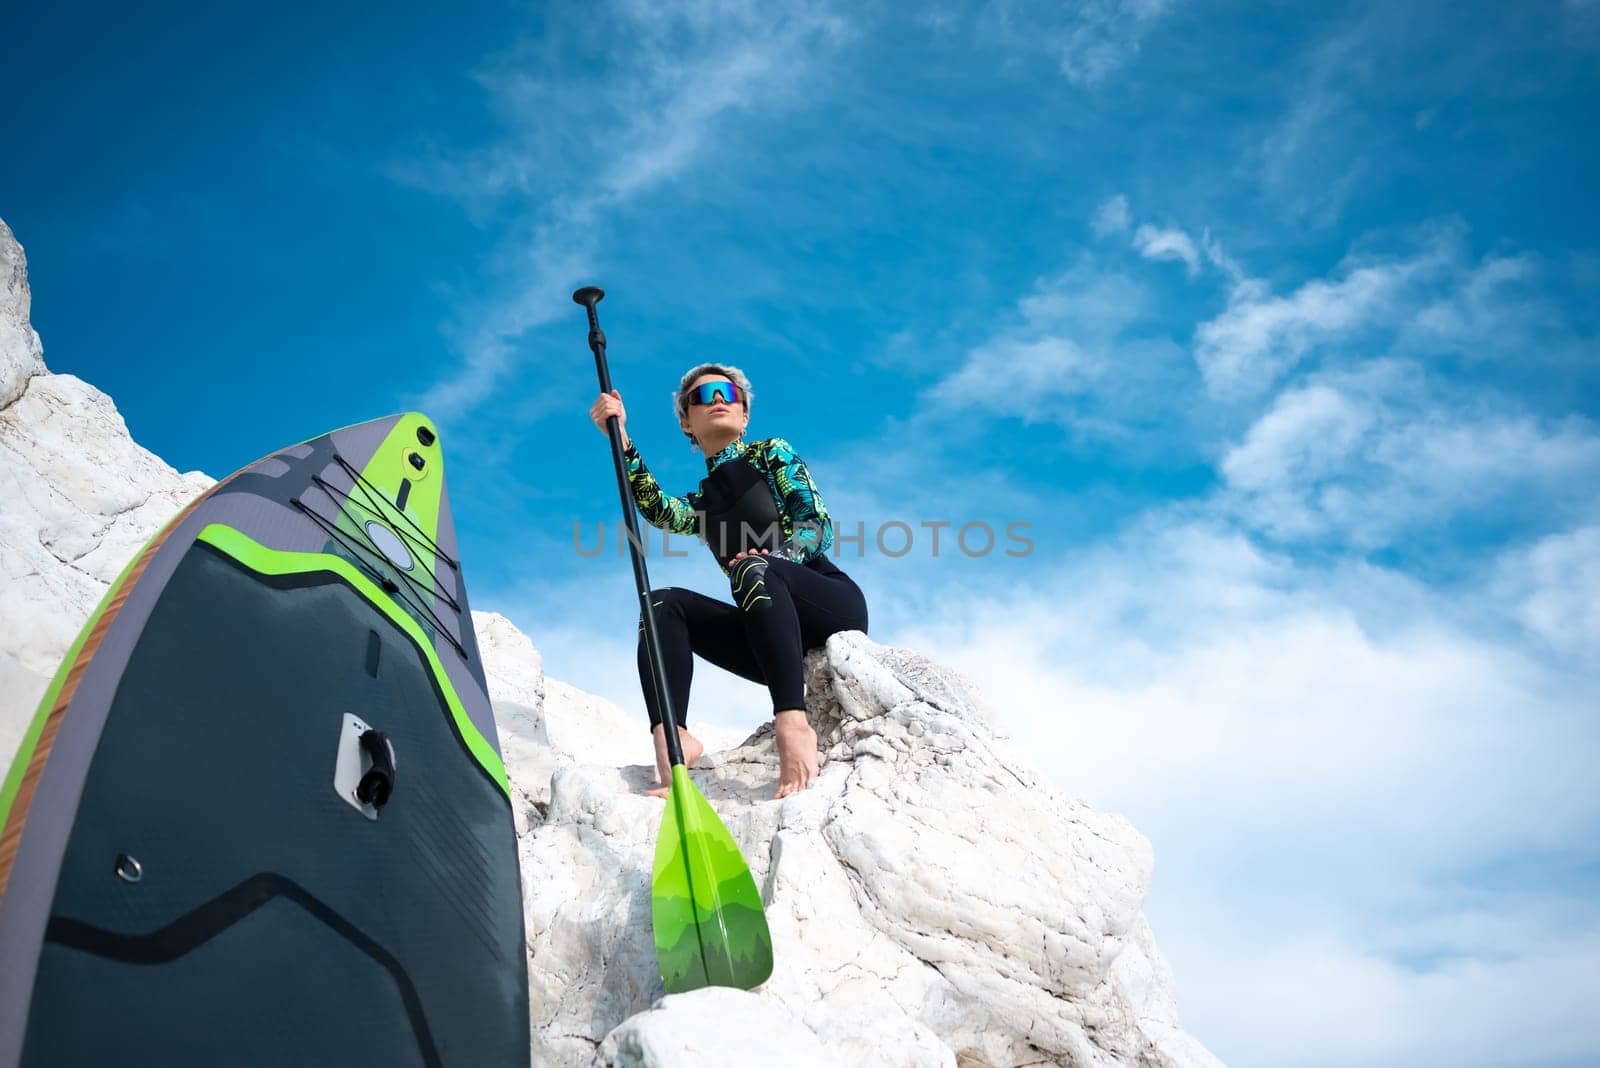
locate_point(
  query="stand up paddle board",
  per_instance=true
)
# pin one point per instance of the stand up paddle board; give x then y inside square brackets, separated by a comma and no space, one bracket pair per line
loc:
[261,815]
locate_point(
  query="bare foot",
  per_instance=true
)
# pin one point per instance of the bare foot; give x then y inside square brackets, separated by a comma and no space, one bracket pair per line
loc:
[797,751]
[691,752]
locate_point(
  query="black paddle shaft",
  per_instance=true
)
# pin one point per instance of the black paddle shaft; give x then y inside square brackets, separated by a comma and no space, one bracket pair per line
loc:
[589,296]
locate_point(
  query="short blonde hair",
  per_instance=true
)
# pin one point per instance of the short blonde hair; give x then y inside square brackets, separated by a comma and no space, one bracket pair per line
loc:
[680,399]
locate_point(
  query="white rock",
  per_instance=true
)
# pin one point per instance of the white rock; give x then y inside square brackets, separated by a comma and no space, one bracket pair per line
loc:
[21,354]
[1143,977]
[21,691]
[514,667]
[77,496]
[712,1028]
[80,500]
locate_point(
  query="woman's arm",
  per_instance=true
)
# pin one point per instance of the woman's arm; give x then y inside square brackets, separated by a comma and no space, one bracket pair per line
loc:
[675,514]
[807,528]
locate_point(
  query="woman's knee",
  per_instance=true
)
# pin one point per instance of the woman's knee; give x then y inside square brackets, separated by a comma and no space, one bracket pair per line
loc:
[751,581]
[666,604]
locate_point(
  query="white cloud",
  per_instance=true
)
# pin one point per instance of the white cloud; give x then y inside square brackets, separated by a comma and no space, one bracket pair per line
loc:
[1166,243]
[1501,309]
[1366,457]
[1111,217]
[1367,445]
[1308,434]
[1098,304]
[994,372]
[1371,439]
[1554,585]
[1156,667]
[1319,998]
[1260,337]
[1170,244]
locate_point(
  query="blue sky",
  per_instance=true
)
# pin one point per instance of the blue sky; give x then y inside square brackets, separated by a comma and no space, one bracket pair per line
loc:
[1277,324]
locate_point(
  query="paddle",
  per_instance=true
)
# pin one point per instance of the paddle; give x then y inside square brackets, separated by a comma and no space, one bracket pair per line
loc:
[710,925]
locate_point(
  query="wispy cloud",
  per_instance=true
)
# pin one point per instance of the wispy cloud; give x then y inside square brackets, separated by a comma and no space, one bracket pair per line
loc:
[1365,444]
[1507,307]
[1361,114]
[1171,244]
[1219,258]
[1111,217]
[1074,355]
[1307,164]
[1114,216]
[1088,41]
[1108,34]
[630,110]
[1261,336]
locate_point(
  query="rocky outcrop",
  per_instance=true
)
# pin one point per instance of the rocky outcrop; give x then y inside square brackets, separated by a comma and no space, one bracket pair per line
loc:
[932,900]
[78,497]
[21,354]
[713,1028]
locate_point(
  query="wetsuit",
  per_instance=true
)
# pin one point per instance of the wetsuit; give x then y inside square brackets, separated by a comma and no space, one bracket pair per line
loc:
[785,602]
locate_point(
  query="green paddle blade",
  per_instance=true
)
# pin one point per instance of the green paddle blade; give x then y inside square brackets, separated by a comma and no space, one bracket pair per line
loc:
[710,926]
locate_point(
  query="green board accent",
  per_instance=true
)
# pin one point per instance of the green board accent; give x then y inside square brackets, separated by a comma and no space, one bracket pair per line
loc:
[30,740]
[710,924]
[391,464]
[401,460]
[268,561]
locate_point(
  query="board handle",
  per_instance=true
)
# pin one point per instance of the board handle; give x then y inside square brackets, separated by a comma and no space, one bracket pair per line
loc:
[378,783]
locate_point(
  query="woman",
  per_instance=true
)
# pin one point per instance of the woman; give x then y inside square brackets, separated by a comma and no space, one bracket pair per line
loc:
[764,521]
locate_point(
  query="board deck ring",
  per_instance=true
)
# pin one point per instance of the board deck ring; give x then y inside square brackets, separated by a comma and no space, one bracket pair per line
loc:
[128,868]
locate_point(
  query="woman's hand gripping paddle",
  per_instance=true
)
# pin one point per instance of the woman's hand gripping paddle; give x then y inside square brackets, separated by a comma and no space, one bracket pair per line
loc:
[710,926]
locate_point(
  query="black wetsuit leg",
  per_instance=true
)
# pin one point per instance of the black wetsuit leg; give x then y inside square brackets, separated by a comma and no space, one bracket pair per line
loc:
[689,622]
[787,609]
[780,610]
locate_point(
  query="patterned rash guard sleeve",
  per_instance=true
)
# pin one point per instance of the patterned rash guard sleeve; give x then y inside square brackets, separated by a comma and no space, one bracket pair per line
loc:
[807,528]
[675,514]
